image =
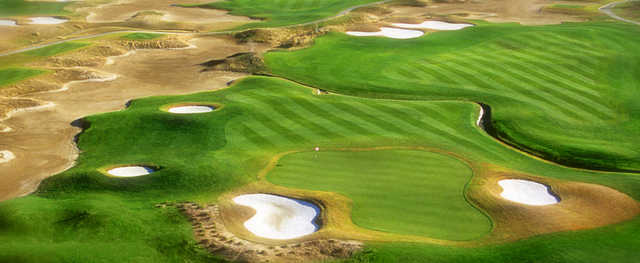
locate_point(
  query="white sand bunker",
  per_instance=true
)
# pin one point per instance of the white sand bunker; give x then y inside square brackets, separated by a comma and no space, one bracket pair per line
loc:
[130,171]
[4,22]
[6,156]
[279,217]
[191,109]
[46,20]
[527,192]
[436,25]
[389,32]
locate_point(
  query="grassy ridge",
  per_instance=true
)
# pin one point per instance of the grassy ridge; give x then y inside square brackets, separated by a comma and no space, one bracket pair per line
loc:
[564,92]
[22,7]
[281,13]
[398,191]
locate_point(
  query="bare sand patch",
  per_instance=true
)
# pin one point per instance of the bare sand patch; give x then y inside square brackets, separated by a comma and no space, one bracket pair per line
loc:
[130,171]
[435,25]
[6,156]
[44,139]
[123,10]
[4,22]
[46,20]
[527,192]
[389,32]
[279,217]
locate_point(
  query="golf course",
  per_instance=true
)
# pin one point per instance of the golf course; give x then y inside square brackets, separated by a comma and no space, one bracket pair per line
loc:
[320,131]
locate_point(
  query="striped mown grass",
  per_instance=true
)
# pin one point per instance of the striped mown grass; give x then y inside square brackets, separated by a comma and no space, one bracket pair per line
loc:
[567,93]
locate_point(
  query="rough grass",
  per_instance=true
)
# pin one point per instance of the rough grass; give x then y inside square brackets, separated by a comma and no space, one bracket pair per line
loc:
[281,13]
[13,75]
[56,49]
[398,191]
[142,36]
[22,7]
[567,92]
[629,10]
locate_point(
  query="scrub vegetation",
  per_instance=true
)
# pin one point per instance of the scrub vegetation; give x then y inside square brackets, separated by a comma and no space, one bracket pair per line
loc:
[282,13]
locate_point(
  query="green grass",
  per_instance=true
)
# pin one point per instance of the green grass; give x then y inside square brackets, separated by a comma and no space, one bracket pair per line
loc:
[22,7]
[572,85]
[565,92]
[82,215]
[282,13]
[398,191]
[13,75]
[56,49]
[567,6]
[142,36]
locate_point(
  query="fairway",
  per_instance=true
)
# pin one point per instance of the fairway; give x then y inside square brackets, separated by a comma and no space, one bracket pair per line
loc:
[567,93]
[282,13]
[22,7]
[398,191]
[12,75]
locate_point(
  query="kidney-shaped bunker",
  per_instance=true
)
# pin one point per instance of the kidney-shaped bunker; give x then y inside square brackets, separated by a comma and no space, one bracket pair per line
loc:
[279,217]
[389,32]
[193,109]
[527,192]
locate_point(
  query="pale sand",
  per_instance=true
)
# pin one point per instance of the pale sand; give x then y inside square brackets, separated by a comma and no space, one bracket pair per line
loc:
[191,109]
[4,22]
[527,192]
[130,171]
[435,25]
[279,217]
[389,32]
[6,156]
[46,21]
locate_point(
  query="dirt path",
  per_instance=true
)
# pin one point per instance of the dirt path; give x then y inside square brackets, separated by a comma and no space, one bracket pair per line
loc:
[607,10]
[42,140]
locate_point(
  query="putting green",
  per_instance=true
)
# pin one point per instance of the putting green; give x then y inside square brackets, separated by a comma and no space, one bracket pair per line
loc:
[400,191]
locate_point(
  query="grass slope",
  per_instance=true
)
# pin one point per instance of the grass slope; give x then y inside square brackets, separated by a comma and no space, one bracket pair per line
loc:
[142,36]
[22,7]
[281,13]
[56,49]
[83,216]
[13,75]
[399,191]
[565,92]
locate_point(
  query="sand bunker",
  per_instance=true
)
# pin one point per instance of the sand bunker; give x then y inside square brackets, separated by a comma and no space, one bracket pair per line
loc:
[130,171]
[6,156]
[527,192]
[279,217]
[191,109]
[46,21]
[435,25]
[4,22]
[389,32]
